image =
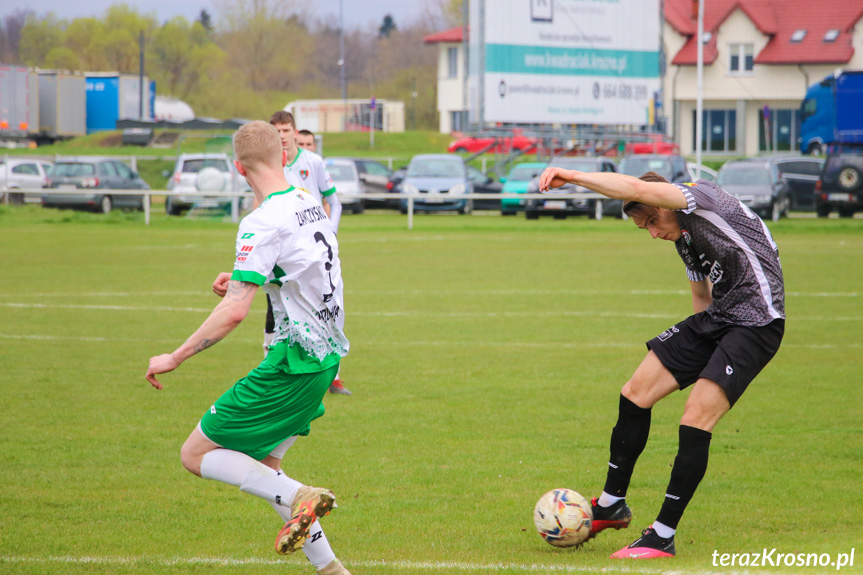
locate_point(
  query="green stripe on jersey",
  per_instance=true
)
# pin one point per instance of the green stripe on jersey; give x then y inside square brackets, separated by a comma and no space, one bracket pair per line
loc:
[248,276]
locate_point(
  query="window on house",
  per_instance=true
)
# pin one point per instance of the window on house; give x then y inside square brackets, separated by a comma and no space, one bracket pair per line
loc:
[778,130]
[742,58]
[718,131]
[452,62]
[831,35]
[798,36]
[458,121]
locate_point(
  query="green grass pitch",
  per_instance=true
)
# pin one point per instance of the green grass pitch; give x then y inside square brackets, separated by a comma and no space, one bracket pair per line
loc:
[486,360]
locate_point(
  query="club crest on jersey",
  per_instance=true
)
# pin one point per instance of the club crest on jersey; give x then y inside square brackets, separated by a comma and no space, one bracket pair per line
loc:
[686,237]
[304,174]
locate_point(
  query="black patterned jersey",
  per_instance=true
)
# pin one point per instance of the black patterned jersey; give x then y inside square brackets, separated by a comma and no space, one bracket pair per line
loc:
[724,241]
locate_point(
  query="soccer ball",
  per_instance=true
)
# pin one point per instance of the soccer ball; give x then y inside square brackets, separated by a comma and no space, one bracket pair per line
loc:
[563,517]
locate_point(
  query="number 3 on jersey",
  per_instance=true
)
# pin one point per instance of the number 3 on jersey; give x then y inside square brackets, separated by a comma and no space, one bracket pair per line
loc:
[319,237]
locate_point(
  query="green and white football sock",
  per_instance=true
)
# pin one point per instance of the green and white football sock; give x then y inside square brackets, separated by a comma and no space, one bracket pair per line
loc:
[251,476]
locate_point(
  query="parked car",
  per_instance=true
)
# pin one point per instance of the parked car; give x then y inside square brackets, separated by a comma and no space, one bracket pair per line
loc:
[97,174]
[442,179]
[348,184]
[374,177]
[703,173]
[767,185]
[493,144]
[561,208]
[841,183]
[23,174]
[516,182]
[672,167]
[196,174]
[483,184]
[394,184]
[656,144]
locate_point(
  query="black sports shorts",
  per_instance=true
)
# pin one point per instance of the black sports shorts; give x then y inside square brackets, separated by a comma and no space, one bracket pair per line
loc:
[730,355]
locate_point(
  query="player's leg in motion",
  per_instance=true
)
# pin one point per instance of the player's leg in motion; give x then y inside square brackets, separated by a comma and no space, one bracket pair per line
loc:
[299,503]
[650,383]
[317,547]
[706,405]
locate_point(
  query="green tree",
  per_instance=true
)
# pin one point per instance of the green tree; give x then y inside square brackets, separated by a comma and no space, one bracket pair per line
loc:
[388,26]
[180,55]
[38,37]
[206,21]
[62,58]
[265,48]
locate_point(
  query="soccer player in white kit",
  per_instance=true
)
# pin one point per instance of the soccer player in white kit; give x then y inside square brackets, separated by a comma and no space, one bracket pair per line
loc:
[287,245]
[305,170]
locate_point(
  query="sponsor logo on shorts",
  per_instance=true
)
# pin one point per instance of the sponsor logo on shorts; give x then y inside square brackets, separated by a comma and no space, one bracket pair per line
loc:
[213,409]
[668,333]
[728,370]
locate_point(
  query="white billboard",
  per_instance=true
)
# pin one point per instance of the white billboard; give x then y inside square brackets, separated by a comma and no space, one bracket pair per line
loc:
[564,61]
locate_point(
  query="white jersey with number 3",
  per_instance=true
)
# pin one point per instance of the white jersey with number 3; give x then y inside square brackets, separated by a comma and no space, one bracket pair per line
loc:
[287,245]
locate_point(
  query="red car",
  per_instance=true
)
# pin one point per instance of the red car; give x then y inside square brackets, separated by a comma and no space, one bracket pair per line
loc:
[502,145]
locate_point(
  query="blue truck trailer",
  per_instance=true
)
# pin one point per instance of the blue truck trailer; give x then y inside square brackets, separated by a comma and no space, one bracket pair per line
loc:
[832,112]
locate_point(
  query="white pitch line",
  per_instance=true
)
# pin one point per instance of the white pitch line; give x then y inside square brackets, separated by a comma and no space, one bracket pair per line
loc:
[487,292]
[449,343]
[396,565]
[455,314]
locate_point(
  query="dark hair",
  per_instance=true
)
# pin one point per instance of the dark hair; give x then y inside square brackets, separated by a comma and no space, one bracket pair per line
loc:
[282,117]
[307,133]
[633,208]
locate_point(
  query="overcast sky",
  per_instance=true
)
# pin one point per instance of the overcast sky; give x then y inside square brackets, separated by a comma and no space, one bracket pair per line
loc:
[356,12]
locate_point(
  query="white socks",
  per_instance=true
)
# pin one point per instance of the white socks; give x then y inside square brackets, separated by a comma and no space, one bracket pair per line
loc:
[240,470]
[255,478]
[606,500]
[663,530]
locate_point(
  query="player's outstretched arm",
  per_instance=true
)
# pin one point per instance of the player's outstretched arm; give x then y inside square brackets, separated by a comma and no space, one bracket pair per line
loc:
[616,186]
[222,320]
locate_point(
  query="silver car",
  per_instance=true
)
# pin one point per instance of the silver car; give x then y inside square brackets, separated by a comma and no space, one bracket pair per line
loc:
[348,184]
[196,174]
[23,174]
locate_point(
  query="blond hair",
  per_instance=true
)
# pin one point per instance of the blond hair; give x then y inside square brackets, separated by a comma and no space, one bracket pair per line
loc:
[257,144]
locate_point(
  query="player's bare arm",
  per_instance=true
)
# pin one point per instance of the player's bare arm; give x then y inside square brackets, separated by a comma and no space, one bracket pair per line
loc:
[226,316]
[701,295]
[616,186]
[327,208]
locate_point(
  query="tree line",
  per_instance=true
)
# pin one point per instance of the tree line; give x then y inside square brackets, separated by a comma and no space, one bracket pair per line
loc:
[247,58]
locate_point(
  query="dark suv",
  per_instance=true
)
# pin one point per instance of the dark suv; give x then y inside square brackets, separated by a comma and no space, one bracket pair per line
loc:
[841,183]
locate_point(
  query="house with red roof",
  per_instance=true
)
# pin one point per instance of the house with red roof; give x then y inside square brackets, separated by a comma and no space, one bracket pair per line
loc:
[760,56]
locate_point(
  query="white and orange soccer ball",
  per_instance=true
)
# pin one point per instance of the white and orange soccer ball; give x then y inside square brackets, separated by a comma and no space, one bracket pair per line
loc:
[563,517]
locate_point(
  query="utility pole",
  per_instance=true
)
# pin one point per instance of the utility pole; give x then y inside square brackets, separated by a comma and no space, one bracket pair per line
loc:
[699,94]
[342,64]
[140,76]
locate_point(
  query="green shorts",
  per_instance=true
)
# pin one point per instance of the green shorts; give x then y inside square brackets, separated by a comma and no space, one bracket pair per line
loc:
[266,407]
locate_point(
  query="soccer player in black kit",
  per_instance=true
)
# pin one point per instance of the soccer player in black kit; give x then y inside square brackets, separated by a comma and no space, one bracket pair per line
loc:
[738,298]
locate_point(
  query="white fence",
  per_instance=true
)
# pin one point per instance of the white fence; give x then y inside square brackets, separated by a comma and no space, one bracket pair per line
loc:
[236,197]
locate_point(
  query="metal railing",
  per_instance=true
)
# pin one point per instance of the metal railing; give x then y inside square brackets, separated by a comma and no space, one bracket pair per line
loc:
[235,198]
